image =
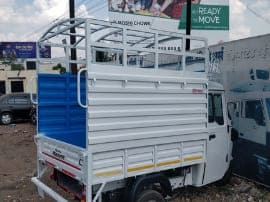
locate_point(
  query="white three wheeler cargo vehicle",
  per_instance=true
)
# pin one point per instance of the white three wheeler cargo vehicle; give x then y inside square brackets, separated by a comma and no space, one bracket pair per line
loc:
[134,123]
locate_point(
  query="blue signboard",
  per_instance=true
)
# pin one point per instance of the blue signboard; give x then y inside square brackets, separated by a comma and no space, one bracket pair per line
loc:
[22,50]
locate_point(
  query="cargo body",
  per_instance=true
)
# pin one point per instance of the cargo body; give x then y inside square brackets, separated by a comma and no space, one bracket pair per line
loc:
[116,129]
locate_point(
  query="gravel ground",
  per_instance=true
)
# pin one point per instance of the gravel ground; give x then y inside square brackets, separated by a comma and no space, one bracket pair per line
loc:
[18,165]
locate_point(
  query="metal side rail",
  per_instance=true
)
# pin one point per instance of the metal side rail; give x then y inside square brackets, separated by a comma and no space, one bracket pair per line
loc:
[44,188]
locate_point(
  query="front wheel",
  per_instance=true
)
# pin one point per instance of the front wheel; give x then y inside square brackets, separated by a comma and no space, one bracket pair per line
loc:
[226,178]
[6,118]
[150,196]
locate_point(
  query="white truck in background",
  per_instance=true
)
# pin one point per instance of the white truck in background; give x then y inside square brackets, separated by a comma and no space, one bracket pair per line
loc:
[120,131]
[243,67]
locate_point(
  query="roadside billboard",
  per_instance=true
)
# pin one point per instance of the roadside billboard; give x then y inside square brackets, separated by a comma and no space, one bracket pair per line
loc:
[22,50]
[208,16]
[243,67]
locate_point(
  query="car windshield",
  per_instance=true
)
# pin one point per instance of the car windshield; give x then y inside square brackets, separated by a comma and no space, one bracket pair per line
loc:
[268,106]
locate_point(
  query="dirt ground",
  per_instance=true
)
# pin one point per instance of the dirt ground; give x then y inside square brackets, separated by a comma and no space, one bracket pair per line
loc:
[17,162]
[18,165]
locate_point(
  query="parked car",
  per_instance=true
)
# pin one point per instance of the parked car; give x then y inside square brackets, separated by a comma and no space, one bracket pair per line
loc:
[14,107]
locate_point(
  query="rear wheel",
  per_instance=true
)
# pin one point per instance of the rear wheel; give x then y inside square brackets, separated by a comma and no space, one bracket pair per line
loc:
[150,196]
[6,118]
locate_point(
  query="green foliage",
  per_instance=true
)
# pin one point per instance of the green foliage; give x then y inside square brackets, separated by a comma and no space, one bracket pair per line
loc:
[59,67]
[16,67]
[8,60]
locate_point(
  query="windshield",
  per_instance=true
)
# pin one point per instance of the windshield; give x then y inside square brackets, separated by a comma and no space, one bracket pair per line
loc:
[268,106]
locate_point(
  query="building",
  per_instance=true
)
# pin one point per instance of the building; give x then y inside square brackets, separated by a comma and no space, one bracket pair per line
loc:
[18,66]
[21,79]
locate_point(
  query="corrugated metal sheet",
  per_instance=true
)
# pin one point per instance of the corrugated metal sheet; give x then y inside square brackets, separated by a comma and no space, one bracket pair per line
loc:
[143,121]
[127,104]
[59,115]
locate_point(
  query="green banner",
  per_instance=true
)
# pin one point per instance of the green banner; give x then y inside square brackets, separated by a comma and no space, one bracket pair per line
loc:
[206,17]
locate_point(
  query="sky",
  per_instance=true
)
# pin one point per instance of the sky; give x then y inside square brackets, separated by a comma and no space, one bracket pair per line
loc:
[26,20]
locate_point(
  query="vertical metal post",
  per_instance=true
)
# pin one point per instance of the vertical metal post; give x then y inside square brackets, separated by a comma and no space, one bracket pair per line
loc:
[66,50]
[156,50]
[39,165]
[125,53]
[88,164]
[184,54]
[73,54]
[206,55]
[188,24]
[37,58]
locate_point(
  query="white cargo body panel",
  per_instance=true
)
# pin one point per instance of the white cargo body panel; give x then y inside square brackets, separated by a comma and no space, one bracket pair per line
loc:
[145,120]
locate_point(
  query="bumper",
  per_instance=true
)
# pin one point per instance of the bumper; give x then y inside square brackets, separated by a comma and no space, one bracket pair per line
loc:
[44,188]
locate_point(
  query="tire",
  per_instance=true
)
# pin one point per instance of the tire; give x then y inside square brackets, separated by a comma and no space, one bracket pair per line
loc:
[6,118]
[150,196]
[226,178]
[33,118]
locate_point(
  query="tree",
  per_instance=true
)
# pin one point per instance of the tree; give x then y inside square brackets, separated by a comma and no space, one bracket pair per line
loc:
[62,70]
[8,60]
[16,67]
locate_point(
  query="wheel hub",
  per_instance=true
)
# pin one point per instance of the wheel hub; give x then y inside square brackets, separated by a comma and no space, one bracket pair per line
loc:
[6,119]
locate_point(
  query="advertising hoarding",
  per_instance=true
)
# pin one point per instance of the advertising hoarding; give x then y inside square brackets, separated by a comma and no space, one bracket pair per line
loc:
[22,50]
[244,69]
[208,16]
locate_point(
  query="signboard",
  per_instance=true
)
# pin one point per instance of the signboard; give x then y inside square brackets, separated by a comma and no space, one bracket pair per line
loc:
[155,8]
[245,71]
[207,17]
[146,13]
[22,50]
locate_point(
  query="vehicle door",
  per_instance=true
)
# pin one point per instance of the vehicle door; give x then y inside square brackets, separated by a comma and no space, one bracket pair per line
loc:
[9,106]
[22,106]
[218,157]
[252,122]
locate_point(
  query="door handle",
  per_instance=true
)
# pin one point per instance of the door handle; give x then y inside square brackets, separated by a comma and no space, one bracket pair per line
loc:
[212,136]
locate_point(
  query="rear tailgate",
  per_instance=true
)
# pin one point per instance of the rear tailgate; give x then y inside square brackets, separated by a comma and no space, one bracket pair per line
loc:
[66,158]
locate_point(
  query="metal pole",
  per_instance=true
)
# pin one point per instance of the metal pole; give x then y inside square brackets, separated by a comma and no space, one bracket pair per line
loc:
[188,24]
[73,54]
